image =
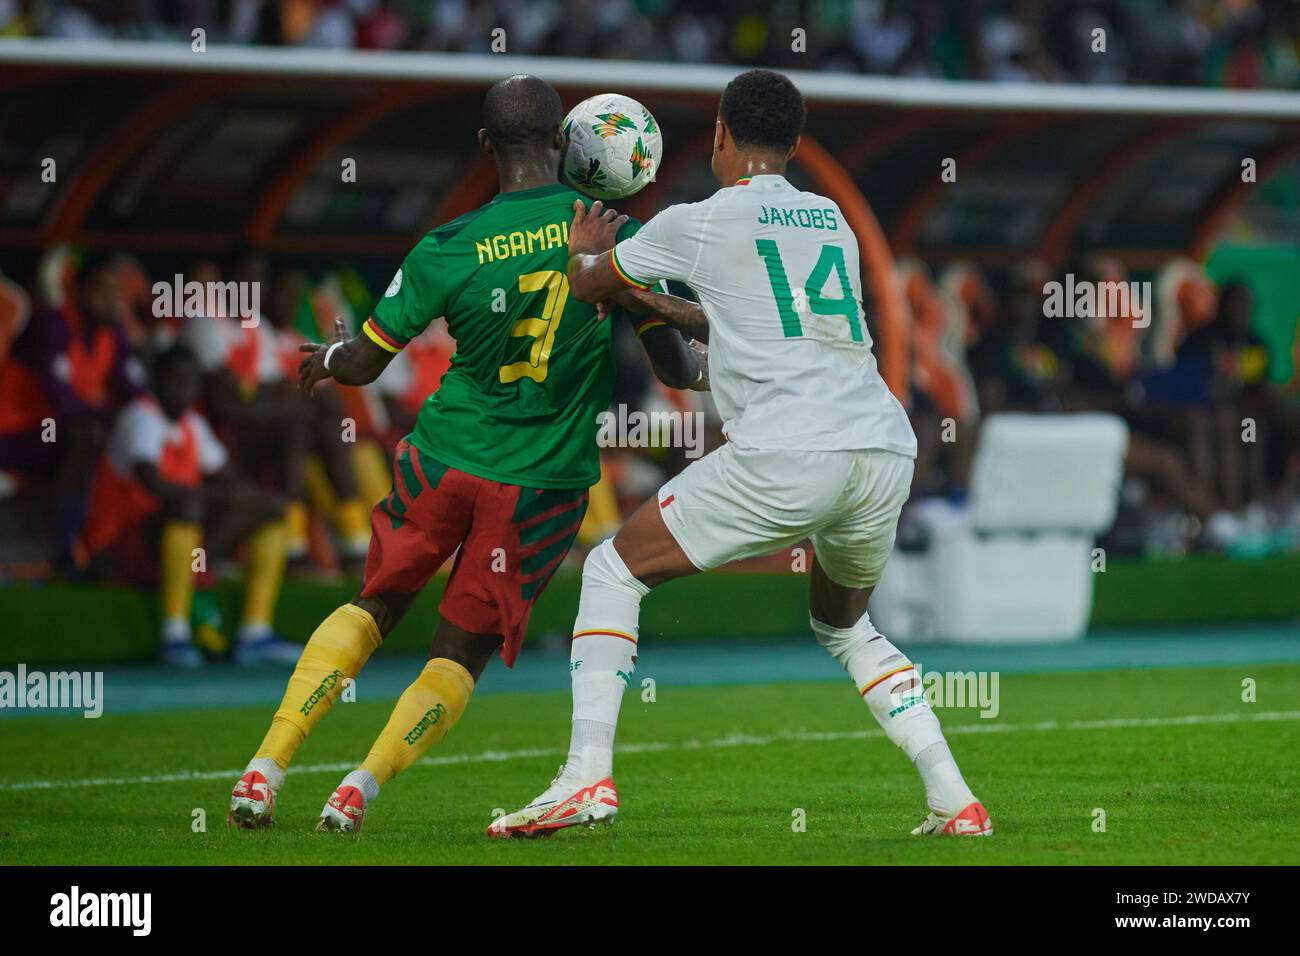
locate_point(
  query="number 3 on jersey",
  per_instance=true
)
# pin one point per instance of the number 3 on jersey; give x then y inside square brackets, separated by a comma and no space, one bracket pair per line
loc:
[832,257]
[541,330]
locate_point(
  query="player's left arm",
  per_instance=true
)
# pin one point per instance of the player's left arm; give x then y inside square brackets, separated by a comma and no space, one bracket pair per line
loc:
[675,361]
[685,316]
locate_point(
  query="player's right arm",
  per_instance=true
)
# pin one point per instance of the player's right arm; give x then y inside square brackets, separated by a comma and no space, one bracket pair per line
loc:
[681,314]
[356,360]
[667,247]
[414,299]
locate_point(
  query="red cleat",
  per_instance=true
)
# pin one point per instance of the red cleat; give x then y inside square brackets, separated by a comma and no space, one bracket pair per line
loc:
[972,821]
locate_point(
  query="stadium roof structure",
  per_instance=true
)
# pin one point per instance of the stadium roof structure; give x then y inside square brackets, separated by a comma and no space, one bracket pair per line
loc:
[162,149]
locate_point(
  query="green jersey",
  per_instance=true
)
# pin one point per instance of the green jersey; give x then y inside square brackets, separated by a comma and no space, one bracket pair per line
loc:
[533,366]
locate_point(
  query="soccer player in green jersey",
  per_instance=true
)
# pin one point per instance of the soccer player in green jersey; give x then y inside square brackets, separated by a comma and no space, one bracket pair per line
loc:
[498,465]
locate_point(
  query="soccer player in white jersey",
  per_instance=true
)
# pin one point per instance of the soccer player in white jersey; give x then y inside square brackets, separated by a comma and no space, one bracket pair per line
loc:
[817,448]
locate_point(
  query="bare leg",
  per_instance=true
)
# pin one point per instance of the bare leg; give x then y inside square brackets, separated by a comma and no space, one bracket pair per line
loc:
[650,552]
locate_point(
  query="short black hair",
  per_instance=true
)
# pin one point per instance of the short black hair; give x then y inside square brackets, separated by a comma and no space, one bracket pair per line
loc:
[171,356]
[763,109]
[521,111]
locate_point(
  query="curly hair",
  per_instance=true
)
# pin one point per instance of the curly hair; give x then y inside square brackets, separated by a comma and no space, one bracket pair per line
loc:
[763,109]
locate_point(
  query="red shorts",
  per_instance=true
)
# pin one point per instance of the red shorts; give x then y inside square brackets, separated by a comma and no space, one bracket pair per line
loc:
[511,540]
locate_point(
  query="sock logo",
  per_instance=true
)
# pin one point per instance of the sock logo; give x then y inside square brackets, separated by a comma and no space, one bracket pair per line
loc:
[430,719]
[907,704]
[320,693]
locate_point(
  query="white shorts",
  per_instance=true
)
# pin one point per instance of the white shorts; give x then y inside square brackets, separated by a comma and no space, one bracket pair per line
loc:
[736,503]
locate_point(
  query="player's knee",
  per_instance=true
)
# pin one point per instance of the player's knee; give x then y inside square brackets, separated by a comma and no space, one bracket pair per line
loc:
[470,651]
[861,649]
[604,567]
[188,507]
[386,609]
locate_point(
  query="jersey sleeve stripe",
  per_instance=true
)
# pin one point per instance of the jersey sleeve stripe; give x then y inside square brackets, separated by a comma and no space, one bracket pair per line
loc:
[618,269]
[648,323]
[381,338]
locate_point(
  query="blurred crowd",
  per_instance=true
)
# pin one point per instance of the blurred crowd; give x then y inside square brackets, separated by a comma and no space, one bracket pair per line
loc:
[160,440]
[1231,43]
[1213,461]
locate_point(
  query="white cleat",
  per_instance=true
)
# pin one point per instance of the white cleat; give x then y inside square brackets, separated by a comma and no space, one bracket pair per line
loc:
[972,821]
[252,802]
[562,805]
[344,812]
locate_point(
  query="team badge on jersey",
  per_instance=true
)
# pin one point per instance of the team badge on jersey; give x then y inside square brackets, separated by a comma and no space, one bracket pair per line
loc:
[394,286]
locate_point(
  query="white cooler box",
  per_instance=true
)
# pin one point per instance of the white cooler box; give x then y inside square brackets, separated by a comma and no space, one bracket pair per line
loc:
[1016,565]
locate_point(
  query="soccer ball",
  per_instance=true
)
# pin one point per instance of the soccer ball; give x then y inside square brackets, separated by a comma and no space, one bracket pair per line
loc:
[614,146]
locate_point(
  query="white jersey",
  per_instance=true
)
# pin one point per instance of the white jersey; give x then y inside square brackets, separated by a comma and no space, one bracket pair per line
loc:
[776,272]
[142,434]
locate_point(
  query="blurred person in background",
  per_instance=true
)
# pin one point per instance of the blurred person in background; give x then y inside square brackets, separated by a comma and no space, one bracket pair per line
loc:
[944,412]
[1100,358]
[329,477]
[253,405]
[1226,365]
[167,505]
[64,379]
[1014,370]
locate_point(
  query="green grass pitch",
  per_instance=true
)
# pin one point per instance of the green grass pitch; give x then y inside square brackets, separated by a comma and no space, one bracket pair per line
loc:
[1183,769]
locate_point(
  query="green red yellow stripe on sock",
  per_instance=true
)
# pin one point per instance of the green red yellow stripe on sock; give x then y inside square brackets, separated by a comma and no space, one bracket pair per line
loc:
[884,677]
[605,632]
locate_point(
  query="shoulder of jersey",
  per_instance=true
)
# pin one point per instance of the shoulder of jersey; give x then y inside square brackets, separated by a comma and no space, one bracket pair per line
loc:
[448,230]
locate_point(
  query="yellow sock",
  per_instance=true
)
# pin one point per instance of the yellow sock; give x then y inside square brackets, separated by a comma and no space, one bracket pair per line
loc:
[352,518]
[266,556]
[602,518]
[338,650]
[319,490]
[295,528]
[374,476]
[176,585]
[422,716]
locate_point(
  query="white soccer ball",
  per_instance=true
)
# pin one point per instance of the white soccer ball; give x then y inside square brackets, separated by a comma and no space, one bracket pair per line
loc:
[614,146]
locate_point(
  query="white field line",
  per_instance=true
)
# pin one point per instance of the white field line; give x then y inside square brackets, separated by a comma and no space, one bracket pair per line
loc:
[734,740]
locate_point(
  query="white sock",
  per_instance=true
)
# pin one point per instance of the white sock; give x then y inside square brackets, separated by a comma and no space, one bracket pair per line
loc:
[248,633]
[602,660]
[945,790]
[176,630]
[269,769]
[364,781]
[892,690]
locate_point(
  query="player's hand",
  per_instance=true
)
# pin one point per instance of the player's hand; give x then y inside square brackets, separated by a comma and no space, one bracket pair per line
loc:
[593,230]
[702,355]
[312,368]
